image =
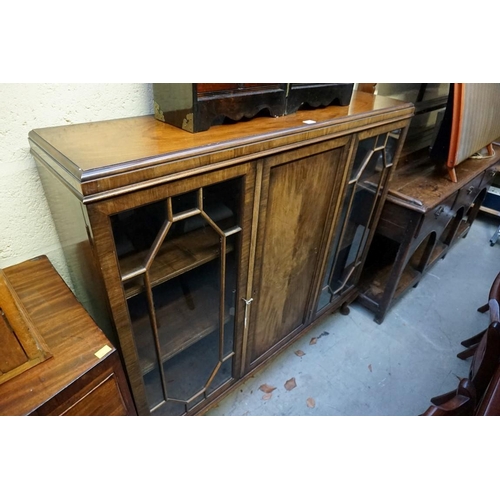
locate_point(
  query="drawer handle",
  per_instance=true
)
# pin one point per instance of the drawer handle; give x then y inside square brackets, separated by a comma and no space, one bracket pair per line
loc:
[470,190]
[439,211]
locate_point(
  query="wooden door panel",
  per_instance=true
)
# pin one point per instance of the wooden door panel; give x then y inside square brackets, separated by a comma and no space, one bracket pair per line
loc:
[194,291]
[298,201]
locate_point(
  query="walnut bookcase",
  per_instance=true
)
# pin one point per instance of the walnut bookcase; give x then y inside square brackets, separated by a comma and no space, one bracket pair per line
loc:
[204,255]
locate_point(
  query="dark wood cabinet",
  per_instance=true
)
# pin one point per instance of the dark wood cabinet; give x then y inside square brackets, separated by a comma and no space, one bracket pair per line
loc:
[424,215]
[195,107]
[211,250]
[83,375]
[315,95]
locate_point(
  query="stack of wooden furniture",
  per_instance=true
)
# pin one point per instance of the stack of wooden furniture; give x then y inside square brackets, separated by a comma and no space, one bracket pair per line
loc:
[54,358]
[211,252]
[204,253]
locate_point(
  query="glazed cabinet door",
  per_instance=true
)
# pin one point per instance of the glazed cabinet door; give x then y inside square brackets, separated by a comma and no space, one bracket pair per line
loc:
[299,195]
[374,156]
[174,260]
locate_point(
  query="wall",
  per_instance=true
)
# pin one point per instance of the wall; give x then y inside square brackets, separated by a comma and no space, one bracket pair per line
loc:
[26,226]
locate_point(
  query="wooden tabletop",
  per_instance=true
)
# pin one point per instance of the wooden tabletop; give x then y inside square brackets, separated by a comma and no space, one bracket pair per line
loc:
[418,178]
[71,335]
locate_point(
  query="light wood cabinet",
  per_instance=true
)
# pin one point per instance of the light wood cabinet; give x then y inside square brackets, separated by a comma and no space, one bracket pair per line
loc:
[82,374]
[211,252]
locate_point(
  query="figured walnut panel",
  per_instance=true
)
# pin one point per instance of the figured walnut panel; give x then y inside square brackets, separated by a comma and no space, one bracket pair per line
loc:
[298,201]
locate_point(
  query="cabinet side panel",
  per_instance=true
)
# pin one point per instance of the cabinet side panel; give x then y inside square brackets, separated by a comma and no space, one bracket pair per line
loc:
[298,201]
[68,215]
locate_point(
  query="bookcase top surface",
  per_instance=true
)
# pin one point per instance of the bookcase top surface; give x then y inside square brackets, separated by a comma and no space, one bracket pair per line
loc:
[91,151]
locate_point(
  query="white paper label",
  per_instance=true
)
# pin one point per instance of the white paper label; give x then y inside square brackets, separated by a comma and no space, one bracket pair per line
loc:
[102,351]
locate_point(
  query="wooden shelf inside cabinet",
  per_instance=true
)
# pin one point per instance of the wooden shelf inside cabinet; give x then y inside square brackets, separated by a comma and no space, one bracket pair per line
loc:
[463,228]
[374,284]
[176,256]
[180,323]
[439,250]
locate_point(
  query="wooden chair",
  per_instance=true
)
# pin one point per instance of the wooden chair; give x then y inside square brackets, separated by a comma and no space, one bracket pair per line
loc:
[491,306]
[461,404]
[470,391]
[490,404]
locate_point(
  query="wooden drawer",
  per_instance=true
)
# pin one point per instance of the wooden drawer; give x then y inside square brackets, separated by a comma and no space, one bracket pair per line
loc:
[395,220]
[98,392]
[437,218]
[469,192]
[103,400]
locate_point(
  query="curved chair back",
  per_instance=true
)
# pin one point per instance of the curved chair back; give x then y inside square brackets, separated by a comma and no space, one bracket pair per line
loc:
[487,355]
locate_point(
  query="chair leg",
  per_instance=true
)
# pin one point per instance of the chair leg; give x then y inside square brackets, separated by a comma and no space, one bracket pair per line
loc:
[473,340]
[483,309]
[468,352]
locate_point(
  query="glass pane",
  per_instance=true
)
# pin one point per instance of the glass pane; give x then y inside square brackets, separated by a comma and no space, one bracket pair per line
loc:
[145,343]
[372,157]
[363,155]
[182,300]
[223,375]
[390,147]
[135,230]
[185,201]
[187,373]
[222,202]
[187,308]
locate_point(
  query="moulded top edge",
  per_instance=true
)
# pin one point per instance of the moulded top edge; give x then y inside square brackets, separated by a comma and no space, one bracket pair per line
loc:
[99,149]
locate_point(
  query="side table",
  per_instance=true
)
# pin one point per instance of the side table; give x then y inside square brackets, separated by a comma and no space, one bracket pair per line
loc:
[81,374]
[424,215]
